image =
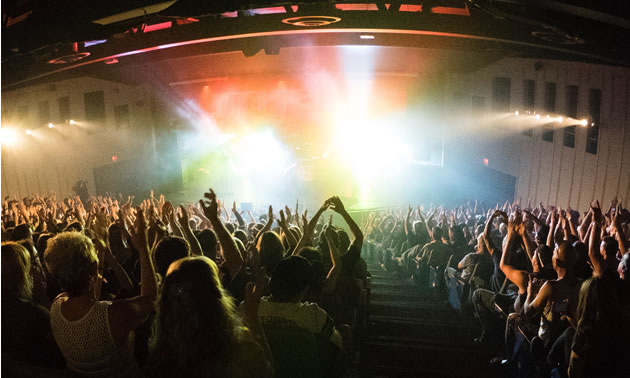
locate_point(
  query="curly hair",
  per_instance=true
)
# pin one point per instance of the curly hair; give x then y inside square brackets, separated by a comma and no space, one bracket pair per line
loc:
[196,324]
[70,258]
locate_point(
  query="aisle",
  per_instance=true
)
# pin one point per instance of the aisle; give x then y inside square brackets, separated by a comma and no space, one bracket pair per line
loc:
[412,335]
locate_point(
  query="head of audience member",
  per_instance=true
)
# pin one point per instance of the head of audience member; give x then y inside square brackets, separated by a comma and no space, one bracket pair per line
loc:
[74,226]
[437,233]
[420,229]
[541,235]
[196,319]
[271,250]
[344,240]
[481,245]
[42,243]
[456,235]
[168,250]
[241,235]
[22,231]
[582,267]
[290,280]
[564,257]
[17,282]
[72,261]
[316,260]
[116,243]
[208,241]
[609,248]
[546,256]
[230,227]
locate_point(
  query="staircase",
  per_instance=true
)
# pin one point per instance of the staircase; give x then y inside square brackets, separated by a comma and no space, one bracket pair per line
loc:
[411,334]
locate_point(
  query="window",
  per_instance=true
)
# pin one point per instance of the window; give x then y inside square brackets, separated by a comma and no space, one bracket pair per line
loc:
[529,101]
[592,132]
[550,108]
[44,112]
[64,108]
[94,106]
[121,116]
[501,94]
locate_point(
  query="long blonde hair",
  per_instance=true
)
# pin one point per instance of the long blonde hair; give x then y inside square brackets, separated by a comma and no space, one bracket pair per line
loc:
[16,267]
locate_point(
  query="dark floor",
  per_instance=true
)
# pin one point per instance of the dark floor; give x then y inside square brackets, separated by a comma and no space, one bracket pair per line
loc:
[412,334]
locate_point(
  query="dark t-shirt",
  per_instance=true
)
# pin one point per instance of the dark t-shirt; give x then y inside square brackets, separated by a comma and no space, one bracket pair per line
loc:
[484,270]
[27,336]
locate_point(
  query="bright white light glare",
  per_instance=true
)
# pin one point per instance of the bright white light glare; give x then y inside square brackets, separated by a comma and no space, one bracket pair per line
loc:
[29,132]
[72,122]
[516,113]
[7,136]
[537,117]
[547,116]
[50,125]
[259,152]
[583,122]
[560,119]
[366,36]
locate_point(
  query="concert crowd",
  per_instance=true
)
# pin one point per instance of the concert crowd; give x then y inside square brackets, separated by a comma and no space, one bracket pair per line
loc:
[113,286]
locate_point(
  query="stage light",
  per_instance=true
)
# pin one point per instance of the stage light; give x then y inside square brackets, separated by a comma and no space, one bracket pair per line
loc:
[583,122]
[29,132]
[7,136]
[593,124]
[485,161]
[50,125]
[366,36]
[325,155]
[516,113]
[537,117]
[114,158]
[560,119]
[72,122]
[547,116]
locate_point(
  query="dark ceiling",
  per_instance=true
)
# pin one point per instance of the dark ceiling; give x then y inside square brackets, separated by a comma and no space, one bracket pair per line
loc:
[180,41]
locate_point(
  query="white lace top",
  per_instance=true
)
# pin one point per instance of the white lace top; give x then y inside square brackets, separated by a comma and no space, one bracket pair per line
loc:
[88,346]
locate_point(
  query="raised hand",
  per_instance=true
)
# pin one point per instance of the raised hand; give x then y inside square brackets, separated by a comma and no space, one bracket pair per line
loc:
[336,205]
[282,222]
[210,207]
[183,217]
[139,232]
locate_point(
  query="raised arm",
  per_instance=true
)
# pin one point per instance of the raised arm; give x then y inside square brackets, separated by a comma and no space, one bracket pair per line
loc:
[267,226]
[331,280]
[597,260]
[195,247]
[585,225]
[309,228]
[233,259]
[291,240]
[518,277]
[552,229]
[338,207]
[239,217]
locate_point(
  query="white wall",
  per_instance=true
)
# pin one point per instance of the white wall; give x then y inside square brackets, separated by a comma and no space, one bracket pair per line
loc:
[551,172]
[52,160]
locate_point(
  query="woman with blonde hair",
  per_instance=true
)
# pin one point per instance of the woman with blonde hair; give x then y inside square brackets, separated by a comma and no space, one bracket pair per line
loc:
[96,336]
[26,333]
